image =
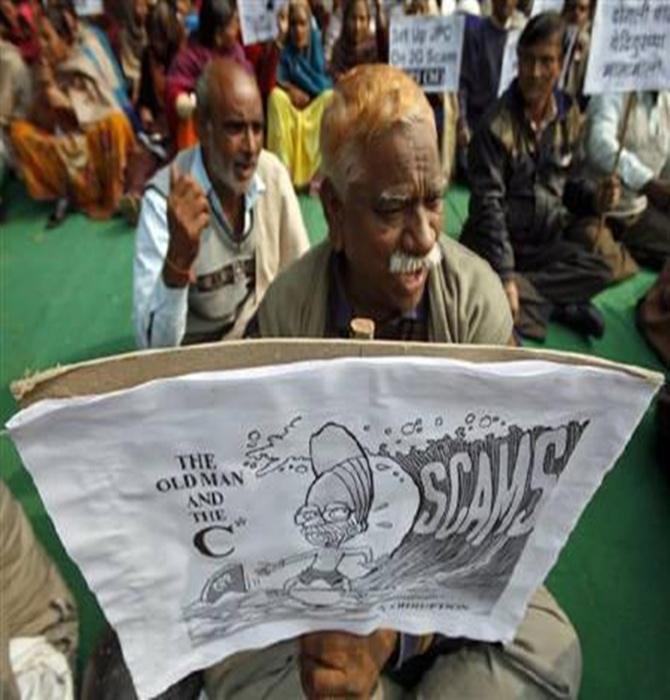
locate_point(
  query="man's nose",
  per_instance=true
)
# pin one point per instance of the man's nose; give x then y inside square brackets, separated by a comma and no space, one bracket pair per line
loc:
[419,235]
[249,140]
[536,71]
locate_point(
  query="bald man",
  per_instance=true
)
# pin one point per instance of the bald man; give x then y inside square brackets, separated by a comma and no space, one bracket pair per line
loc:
[217,224]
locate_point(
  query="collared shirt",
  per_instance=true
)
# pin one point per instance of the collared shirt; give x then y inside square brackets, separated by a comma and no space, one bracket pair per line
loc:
[159,311]
[538,127]
[407,326]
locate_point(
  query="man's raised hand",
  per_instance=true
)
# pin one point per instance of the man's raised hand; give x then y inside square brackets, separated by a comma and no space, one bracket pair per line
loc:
[187,216]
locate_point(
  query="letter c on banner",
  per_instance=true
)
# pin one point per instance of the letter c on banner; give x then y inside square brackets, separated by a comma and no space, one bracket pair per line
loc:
[202,545]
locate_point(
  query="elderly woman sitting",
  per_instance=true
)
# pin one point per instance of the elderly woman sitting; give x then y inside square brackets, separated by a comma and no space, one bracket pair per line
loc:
[74,145]
[302,93]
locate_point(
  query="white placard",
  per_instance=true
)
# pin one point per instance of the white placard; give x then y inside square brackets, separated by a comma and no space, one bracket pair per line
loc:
[630,47]
[228,510]
[88,7]
[510,64]
[258,20]
[547,6]
[429,49]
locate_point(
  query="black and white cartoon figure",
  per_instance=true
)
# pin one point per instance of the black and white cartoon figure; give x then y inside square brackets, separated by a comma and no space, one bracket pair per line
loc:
[335,512]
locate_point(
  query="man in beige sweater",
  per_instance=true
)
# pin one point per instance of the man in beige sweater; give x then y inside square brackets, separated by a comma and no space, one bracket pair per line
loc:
[216,225]
[386,260]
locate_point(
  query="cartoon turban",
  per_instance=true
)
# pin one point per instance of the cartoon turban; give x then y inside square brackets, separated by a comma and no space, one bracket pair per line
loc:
[342,470]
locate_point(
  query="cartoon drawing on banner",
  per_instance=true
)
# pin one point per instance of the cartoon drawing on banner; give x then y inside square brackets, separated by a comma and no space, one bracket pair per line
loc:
[380,518]
[335,511]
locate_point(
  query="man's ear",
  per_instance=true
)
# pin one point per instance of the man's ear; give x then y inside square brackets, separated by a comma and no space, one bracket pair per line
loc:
[333,208]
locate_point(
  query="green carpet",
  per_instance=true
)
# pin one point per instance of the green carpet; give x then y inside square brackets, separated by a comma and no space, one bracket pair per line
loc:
[65,296]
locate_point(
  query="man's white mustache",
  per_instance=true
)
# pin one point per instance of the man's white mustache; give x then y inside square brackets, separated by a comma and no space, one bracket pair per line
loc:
[402,263]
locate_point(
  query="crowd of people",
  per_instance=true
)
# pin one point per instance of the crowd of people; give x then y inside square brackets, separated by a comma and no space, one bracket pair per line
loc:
[159,112]
[563,203]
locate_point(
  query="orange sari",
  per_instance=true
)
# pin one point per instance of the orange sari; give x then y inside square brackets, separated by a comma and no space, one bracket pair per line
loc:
[87,164]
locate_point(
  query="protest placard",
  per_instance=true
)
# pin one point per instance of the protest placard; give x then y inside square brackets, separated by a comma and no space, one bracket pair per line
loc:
[429,49]
[510,64]
[258,19]
[547,6]
[425,489]
[88,7]
[630,47]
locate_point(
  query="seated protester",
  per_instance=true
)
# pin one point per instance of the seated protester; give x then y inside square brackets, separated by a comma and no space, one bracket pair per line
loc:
[217,225]
[218,34]
[15,97]
[165,35]
[357,44]
[165,38]
[302,93]
[527,217]
[75,142]
[483,50]
[38,617]
[577,14]
[386,259]
[94,42]
[643,219]
[132,41]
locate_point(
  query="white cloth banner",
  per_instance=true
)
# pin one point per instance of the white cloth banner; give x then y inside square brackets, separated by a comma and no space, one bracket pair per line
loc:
[630,47]
[88,7]
[547,6]
[510,64]
[222,511]
[429,49]
[258,20]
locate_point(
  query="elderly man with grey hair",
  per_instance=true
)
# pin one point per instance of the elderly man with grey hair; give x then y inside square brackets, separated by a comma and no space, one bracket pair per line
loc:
[217,224]
[386,260]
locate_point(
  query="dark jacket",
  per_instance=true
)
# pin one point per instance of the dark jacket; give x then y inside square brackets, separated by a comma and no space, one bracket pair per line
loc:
[523,195]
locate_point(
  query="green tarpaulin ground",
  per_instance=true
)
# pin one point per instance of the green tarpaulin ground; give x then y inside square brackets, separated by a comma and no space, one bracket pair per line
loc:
[66,297]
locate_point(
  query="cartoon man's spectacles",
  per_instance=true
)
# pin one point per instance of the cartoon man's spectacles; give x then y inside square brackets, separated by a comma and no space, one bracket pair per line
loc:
[332,513]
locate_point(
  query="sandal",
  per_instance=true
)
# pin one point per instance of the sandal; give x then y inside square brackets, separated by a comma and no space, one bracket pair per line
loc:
[59,213]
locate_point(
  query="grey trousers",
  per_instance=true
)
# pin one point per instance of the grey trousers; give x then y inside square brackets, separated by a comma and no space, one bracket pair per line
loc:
[543,661]
[572,275]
